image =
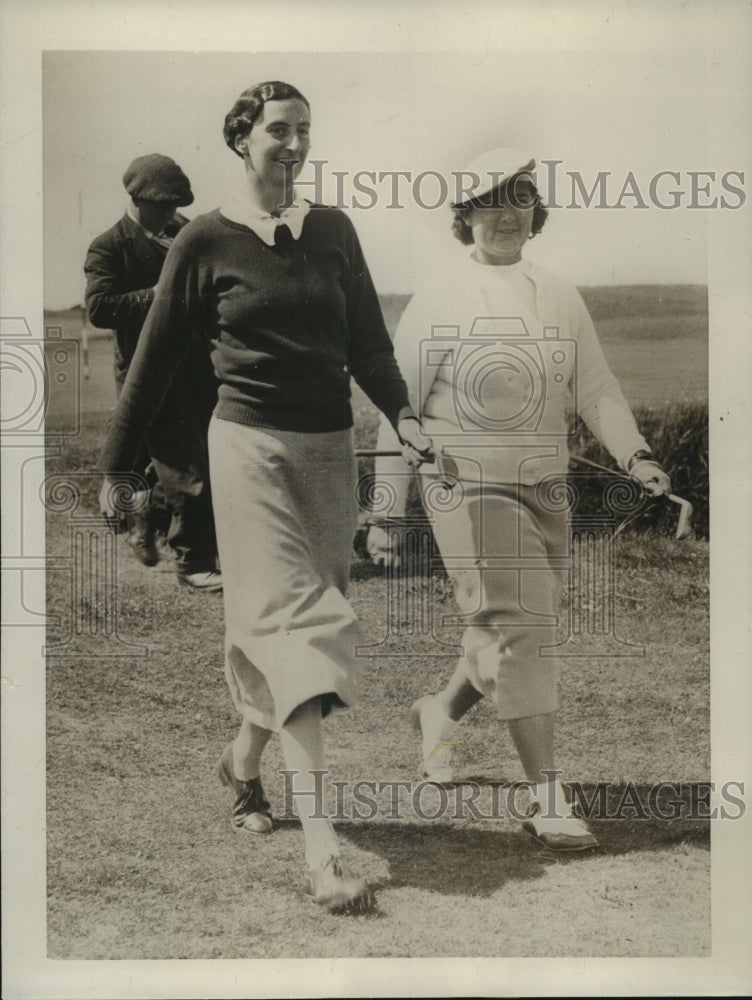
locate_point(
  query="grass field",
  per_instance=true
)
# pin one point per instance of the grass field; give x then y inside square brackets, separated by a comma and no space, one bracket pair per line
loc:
[142,862]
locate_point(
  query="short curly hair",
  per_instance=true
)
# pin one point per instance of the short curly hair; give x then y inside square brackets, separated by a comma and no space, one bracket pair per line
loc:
[246,111]
[462,231]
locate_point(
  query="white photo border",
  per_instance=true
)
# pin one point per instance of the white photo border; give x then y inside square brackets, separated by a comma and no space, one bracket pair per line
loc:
[723,31]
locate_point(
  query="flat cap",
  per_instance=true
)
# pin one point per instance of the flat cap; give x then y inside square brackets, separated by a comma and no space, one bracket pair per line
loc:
[157,178]
[494,168]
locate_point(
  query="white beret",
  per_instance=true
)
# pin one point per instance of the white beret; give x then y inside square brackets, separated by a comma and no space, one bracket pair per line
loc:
[493,169]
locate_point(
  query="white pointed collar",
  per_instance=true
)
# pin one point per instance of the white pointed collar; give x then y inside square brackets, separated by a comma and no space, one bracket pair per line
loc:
[242,210]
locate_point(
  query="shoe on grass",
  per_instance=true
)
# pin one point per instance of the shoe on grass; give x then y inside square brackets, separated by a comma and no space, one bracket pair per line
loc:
[435,728]
[250,811]
[209,582]
[142,541]
[337,891]
[558,833]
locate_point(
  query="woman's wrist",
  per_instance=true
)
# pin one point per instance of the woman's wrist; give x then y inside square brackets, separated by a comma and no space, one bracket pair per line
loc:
[406,413]
[639,456]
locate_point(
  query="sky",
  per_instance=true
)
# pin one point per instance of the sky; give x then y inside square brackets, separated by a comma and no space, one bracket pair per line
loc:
[619,112]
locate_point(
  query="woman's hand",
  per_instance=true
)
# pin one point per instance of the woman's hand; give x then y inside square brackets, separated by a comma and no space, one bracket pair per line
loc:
[116,497]
[380,547]
[651,476]
[107,508]
[107,497]
[417,447]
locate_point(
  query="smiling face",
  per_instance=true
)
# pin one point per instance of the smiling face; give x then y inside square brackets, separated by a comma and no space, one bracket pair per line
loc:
[501,223]
[277,146]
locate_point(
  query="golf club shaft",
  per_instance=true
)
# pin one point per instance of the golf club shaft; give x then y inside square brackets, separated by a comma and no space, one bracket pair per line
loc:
[683,527]
[375,453]
[601,468]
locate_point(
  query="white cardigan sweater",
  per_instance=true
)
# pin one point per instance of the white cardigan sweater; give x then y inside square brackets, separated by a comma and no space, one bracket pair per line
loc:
[492,379]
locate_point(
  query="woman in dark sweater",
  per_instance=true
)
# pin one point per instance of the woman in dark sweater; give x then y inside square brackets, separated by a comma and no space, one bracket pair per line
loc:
[281,289]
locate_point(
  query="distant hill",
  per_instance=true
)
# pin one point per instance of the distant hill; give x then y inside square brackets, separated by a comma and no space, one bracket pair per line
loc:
[628,301]
[658,307]
[657,304]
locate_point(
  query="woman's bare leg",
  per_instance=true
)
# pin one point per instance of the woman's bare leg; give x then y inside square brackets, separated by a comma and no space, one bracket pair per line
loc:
[533,738]
[458,696]
[247,748]
[302,740]
[551,820]
[435,717]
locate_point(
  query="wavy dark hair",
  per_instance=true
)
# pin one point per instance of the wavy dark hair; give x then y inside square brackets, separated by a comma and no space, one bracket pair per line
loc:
[462,231]
[246,111]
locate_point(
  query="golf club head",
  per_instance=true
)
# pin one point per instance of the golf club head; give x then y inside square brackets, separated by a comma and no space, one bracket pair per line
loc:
[447,468]
[684,524]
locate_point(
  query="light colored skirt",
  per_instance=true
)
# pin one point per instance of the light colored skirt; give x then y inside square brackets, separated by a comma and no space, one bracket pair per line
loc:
[507,556]
[285,508]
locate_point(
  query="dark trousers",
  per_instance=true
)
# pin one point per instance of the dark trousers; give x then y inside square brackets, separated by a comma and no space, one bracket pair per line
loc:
[191,534]
[186,520]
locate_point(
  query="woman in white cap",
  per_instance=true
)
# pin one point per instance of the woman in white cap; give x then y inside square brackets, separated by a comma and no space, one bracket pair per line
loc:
[494,350]
[282,291]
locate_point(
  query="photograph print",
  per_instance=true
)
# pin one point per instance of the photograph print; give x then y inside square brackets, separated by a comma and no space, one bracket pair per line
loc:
[375,495]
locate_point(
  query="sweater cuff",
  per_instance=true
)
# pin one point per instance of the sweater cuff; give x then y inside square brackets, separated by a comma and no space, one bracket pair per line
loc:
[626,461]
[405,413]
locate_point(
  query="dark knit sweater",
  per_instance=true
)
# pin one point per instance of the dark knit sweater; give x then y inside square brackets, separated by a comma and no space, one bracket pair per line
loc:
[288,328]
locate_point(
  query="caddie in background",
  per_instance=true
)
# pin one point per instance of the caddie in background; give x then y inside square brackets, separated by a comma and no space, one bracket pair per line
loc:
[122,268]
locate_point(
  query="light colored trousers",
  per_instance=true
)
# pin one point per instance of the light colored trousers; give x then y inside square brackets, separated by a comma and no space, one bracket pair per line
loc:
[507,557]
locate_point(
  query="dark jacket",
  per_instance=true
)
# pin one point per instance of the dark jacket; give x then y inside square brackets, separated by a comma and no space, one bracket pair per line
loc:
[122,267]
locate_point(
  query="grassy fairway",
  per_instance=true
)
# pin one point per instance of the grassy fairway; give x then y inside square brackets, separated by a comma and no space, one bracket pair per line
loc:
[142,862]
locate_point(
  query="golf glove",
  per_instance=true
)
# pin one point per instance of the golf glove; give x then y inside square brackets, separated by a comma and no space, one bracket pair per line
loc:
[649,474]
